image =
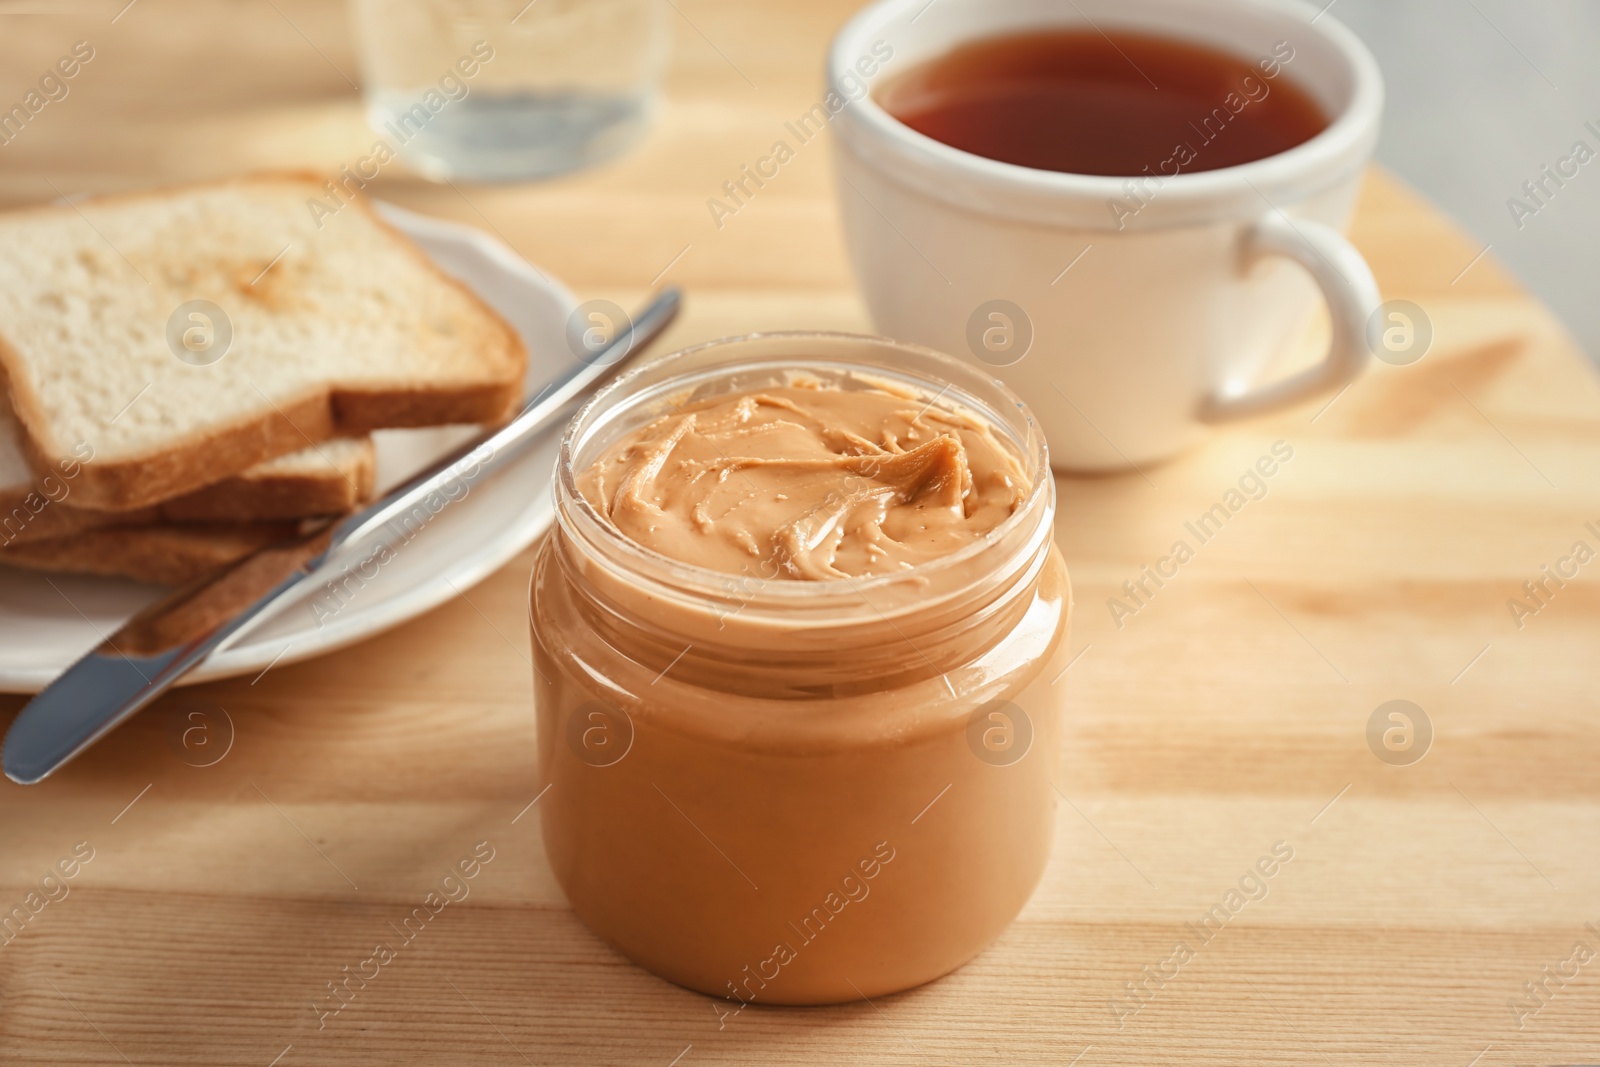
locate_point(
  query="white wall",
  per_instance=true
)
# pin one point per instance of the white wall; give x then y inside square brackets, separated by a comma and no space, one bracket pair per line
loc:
[1482,94]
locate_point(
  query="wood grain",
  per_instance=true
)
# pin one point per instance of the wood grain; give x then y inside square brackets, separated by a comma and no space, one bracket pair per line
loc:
[1227,714]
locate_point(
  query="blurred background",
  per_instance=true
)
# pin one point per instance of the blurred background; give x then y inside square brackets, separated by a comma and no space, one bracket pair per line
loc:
[1482,95]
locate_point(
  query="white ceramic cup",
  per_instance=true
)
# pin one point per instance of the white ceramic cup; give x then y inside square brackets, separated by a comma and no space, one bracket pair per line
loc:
[1129,314]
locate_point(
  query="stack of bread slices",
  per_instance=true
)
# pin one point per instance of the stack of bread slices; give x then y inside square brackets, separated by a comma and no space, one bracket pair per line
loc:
[191,374]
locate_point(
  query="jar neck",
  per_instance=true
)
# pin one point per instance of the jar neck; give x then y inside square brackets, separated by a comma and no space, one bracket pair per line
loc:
[736,634]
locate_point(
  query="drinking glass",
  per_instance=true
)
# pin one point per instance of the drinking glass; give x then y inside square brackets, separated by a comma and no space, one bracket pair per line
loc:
[509,90]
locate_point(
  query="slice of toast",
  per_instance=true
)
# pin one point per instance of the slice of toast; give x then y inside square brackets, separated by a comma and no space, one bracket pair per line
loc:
[332,477]
[167,340]
[163,554]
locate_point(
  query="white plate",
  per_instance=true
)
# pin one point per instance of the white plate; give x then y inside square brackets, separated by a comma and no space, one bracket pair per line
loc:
[47,622]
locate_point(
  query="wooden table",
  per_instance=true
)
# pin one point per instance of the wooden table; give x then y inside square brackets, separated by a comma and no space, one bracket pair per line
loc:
[1231,712]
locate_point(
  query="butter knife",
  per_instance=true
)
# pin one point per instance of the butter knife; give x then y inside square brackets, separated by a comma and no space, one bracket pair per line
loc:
[171,637]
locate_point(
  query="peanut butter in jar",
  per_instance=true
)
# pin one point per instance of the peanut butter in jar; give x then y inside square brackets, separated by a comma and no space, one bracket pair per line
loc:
[796,633]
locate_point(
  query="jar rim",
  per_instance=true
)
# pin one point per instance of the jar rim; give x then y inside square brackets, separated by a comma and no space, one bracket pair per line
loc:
[690,577]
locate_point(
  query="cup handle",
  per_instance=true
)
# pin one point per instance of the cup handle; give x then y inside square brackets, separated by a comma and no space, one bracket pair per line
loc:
[1352,295]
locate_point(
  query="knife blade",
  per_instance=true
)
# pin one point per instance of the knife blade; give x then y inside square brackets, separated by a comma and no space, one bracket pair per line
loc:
[171,637]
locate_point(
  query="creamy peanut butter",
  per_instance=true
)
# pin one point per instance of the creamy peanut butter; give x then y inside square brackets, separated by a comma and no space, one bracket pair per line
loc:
[809,481]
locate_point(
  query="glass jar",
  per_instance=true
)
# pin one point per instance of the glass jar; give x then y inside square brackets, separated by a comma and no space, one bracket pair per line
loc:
[795,792]
[508,90]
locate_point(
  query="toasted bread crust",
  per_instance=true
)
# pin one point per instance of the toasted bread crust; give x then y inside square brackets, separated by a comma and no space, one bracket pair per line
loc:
[165,555]
[188,465]
[278,496]
[28,515]
[133,484]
